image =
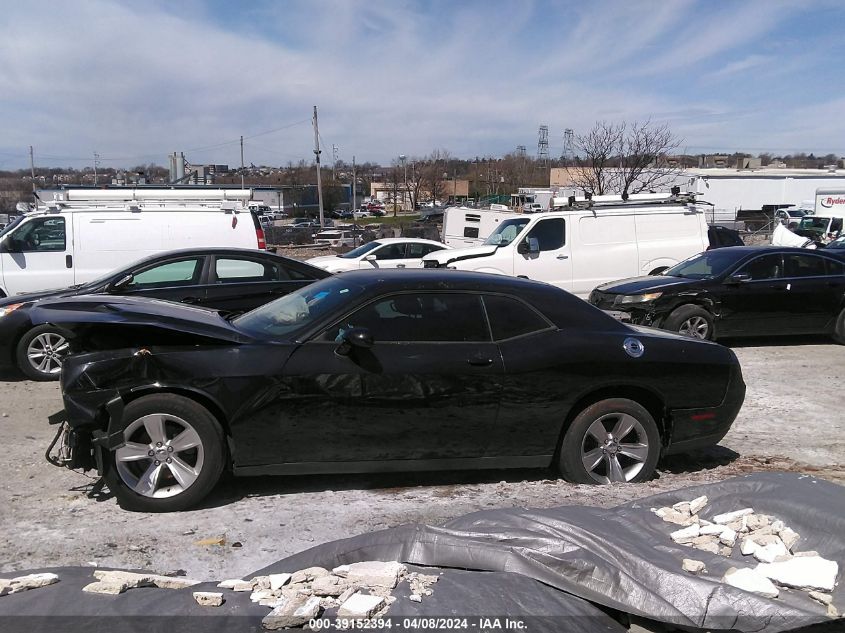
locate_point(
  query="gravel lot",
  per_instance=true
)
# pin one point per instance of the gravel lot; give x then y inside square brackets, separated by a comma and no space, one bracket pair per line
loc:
[792,420]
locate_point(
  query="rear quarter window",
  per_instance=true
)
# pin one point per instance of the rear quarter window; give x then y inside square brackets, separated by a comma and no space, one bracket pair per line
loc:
[510,317]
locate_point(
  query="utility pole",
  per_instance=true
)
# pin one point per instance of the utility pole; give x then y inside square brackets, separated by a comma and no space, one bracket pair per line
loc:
[354,186]
[242,161]
[402,159]
[96,162]
[317,156]
[32,166]
[334,161]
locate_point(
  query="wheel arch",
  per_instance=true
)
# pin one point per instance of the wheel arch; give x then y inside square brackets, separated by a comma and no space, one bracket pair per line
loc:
[200,397]
[647,398]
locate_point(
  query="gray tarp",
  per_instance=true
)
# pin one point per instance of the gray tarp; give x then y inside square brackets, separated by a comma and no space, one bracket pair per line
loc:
[621,558]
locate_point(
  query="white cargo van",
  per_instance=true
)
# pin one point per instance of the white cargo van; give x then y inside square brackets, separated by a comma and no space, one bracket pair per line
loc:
[583,243]
[83,234]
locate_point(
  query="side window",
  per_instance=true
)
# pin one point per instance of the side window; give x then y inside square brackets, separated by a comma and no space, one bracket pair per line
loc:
[391,251]
[184,272]
[803,266]
[550,233]
[230,270]
[836,225]
[835,268]
[470,231]
[418,249]
[434,317]
[765,267]
[510,317]
[41,234]
[293,273]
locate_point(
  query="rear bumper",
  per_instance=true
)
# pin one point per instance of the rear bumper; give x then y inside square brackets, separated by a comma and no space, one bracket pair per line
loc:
[698,428]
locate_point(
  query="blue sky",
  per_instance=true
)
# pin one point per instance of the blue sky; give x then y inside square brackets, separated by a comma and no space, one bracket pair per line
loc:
[135,81]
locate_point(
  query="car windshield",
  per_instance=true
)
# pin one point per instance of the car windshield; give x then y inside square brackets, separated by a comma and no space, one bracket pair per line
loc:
[299,310]
[796,213]
[706,265]
[507,232]
[360,251]
[11,225]
[814,223]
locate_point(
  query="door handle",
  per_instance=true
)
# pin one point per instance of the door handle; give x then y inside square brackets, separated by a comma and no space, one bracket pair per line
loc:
[69,261]
[400,265]
[190,300]
[562,257]
[478,361]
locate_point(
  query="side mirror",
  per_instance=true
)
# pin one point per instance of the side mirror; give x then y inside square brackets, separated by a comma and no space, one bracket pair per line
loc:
[370,258]
[738,278]
[529,245]
[356,337]
[122,282]
[12,245]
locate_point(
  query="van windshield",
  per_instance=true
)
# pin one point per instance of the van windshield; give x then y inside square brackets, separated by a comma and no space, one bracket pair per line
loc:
[814,223]
[507,232]
[11,225]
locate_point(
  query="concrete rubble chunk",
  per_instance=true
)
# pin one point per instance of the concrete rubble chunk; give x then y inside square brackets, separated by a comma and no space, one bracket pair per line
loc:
[683,507]
[726,551]
[728,537]
[133,580]
[685,534]
[308,574]
[25,583]
[277,581]
[697,504]
[728,517]
[711,529]
[832,612]
[766,530]
[376,573]
[341,571]
[273,602]
[106,587]
[291,614]
[693,566]
[261,582]
[415,598]
[346,595]
[261,594]
[824,598]
[768,553]
[809,553]
[740,525]
[765,539]
[360,605]
[711,546]
[789,537]
[757,521]
[229,584]
[329,586]
[807,573]
[243,585]
[777,526]
[748,546]
[208,598]
[750,580]
[670,515]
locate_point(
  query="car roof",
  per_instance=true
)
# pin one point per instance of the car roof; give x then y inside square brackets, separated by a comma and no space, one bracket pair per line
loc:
[248,252]
[393,240]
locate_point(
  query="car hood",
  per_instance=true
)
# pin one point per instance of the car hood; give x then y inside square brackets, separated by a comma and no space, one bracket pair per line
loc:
[449,255]
[97,310]
[650,283]
[30,297]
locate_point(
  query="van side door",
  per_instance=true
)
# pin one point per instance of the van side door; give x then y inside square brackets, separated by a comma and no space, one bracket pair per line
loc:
[544,254]
[38,255]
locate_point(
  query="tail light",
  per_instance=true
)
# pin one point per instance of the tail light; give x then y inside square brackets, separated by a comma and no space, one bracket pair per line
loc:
[262,243]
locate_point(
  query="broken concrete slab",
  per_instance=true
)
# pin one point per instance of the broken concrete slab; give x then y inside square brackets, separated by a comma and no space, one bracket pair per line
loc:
[789,537]
[726,551]
[291,613]
[824,598]
[229,584]
[808,573]
[261,594]
[710,546]
[685,534]
[308,574]
[376,573]
[683,507]
[728,537]
[133,580]
[346,595]
[728,517]
[415,598]
[711,529]
[670,515]
[277,581]
[693,566]
[832,612]
[768,553]
[697,504]
[750,580]
[208,598]
[106,587]
[25,583]
[329,586]
[808,553]
[342,571]
[360,605]
[244,585]
[757,521]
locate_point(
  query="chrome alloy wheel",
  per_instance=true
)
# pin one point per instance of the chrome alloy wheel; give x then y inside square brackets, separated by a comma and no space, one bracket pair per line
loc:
[162,456]
[45,352]
[614,448]
[696,327]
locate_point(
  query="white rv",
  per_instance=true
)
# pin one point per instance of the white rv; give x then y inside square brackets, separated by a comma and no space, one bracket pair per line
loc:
[583,243]
[464,227]
[83,234]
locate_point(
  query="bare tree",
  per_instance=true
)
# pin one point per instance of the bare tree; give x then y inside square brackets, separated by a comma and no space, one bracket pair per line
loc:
[432,174]
[596,150]
[625,159]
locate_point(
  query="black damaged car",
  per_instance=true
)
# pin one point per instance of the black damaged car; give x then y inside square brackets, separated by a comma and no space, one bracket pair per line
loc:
[735,292]
[373,371]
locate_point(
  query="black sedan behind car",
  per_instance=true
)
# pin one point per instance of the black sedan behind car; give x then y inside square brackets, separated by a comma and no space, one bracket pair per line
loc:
[224,278]
[737,291]
[382,370]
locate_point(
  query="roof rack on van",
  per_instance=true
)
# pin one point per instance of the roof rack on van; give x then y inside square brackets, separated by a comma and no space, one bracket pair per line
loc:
[588,201]
[134,199]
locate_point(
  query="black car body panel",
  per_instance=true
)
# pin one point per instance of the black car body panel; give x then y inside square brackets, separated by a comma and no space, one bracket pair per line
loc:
[786,303]
[295,405]
[231,294]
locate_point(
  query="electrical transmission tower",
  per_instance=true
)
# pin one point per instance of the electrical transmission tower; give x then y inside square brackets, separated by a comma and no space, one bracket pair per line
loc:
[520,151]
[568,145]
[543,145]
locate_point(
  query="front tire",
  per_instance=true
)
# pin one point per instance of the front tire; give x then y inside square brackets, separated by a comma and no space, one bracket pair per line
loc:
[691,320]
[172,457]
[612,441]
[40,352]
[839,328]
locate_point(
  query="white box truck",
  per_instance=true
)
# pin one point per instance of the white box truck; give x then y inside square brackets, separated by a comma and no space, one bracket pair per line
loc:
[83,234]
[586,242]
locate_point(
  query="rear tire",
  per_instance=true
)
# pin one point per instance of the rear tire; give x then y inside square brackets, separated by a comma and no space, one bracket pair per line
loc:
[173,456]
[839,328]
[40,352]
[612,441]
[691,320]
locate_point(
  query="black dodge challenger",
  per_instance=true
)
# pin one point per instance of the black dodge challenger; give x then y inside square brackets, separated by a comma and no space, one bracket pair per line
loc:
[382,370]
